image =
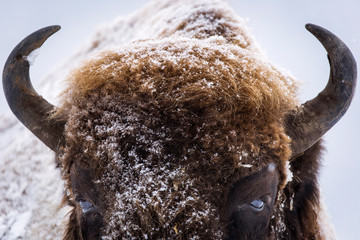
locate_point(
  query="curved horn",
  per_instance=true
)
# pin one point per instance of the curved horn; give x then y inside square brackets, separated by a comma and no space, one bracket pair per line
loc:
[27,105]
[311,120]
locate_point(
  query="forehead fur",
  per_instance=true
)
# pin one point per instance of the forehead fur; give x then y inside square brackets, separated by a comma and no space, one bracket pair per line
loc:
[209,79]
[191,74]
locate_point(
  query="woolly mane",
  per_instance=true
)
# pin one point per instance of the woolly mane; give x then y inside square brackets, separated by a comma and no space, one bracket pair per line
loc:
[169,124]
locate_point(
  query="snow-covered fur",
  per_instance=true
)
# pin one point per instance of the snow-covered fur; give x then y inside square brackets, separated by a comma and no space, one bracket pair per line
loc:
[167,111]
[30,186]
[168,123]
[183,107]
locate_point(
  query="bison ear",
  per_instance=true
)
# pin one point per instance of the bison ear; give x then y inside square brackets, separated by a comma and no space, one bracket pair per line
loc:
[310,121]
[27,105]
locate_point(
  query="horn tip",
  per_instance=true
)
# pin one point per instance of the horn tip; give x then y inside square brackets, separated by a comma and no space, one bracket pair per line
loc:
[52,29]
[312,27]
[57,27]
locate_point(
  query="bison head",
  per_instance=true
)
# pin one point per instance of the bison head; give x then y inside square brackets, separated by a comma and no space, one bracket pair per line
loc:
[153,149]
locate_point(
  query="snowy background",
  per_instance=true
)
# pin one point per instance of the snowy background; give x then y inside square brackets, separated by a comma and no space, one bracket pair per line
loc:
[279,28]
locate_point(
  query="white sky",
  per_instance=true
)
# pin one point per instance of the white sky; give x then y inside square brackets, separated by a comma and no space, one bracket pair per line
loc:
[279,28]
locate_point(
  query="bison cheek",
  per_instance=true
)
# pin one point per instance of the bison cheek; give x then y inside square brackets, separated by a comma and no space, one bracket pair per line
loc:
[247,225]
[91,223]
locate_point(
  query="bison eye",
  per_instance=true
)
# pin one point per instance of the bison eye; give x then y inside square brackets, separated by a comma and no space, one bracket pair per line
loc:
[257,205]
[85,205]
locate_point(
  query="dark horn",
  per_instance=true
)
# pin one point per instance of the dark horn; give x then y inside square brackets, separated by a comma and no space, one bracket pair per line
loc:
[27,105]
[313,119]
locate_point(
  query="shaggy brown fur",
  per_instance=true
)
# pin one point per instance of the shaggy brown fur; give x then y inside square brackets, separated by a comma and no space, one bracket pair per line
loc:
[188,114]
[302,196]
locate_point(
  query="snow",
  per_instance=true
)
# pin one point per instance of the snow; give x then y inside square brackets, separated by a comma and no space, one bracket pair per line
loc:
[271,167]
[30,186]
[19,225]
[289,174]
[32,56]
[245,165]
[326,227]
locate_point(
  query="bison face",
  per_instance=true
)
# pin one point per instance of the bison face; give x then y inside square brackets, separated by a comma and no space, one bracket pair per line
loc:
[250,205]
[143,175]
[87,203]
[246,214]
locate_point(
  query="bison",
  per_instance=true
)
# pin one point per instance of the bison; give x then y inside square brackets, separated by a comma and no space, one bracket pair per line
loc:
[189,134]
